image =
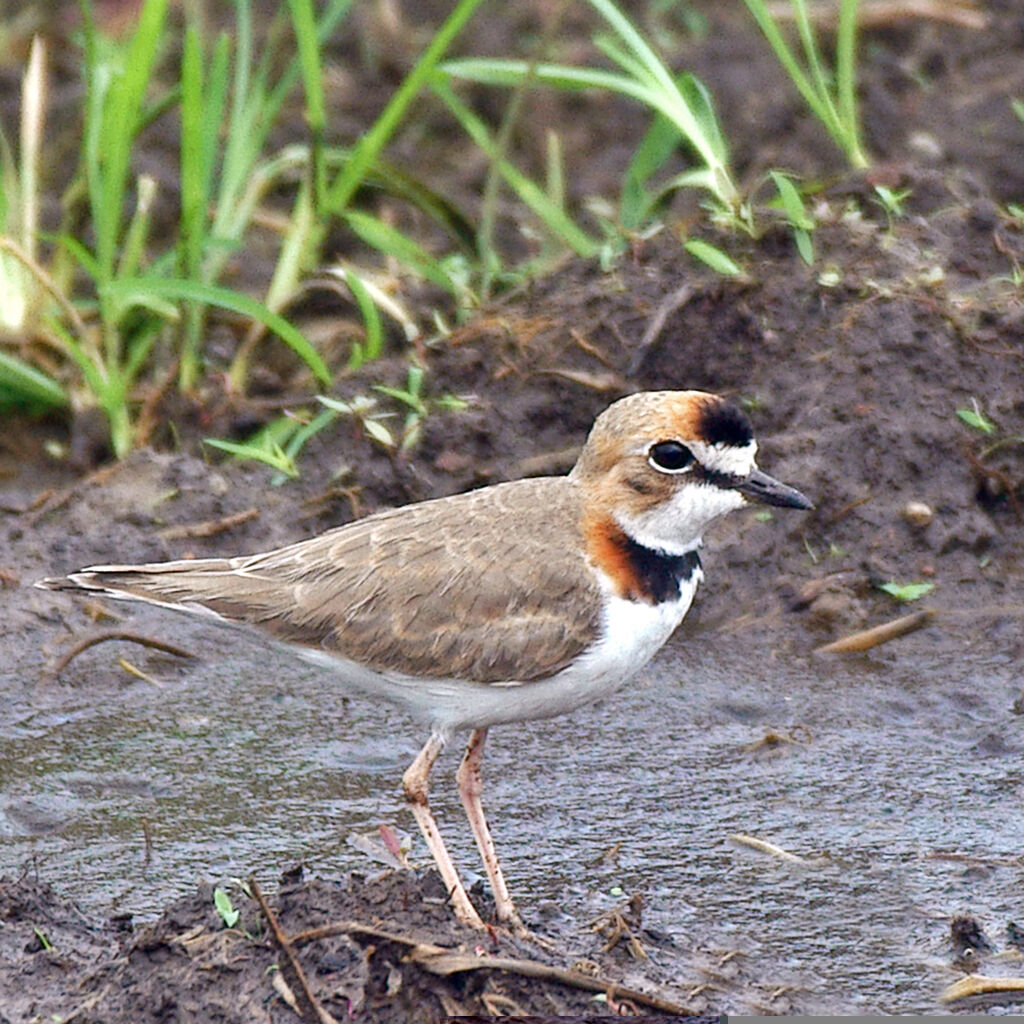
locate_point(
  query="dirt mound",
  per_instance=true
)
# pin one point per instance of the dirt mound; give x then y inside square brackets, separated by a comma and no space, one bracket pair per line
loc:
[379,949]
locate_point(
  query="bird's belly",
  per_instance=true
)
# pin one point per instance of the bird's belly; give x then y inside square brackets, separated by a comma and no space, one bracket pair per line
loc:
[632,634]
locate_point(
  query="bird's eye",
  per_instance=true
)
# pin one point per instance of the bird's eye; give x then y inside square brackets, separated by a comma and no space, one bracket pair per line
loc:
[670,457]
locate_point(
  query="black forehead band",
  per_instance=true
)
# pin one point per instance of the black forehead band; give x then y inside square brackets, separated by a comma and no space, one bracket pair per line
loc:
[724,423]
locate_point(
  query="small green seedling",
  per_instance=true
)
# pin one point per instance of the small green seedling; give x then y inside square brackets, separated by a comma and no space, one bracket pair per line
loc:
[796,214]
[363,409]
[43,940]
[906,592]
[712,256]
[419,407]
[222,901]
[891,201]
[263,449]
[975,418]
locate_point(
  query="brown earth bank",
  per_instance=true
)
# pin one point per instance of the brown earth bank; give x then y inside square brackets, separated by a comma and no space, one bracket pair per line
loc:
[380,949]
[853,372]
[854,387]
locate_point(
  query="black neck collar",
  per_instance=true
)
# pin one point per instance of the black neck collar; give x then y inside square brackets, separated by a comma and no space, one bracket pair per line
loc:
[657,575]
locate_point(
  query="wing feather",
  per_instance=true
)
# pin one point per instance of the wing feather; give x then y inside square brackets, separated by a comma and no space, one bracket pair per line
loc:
[414,590]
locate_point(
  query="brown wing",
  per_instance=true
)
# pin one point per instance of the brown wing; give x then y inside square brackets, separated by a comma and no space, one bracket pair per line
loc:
[444,588]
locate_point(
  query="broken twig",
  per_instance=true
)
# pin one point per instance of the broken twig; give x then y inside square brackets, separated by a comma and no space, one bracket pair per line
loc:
[868,638]
[979,985]
[209,527]
[309,1006]
[131,638]
[443,962]
[763,846]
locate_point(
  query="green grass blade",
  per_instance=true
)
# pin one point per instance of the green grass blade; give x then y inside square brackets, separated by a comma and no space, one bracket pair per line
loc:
[840,121]
[193,181]
[264,450]
[83,256]
[633,68]
[786,57]
[373,142]
[96,88]
[812,58]
[670,101]
[653,64]
[136,235]
[22,384]
[304,25]
[93,372]
[319,422]
[698,100]
[792,202]
[295,253]
[374,343]
[119,112]
[553,216]
[389,240]
[712,256]
[511,72]
[846,79]
[107,386]
[129,291]
[243,141]
[656,147]
[203,100]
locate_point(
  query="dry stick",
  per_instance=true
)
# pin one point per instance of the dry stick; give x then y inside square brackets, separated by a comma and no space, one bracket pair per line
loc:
[132,638]
[88,1005]
[147,420]
[590,348]
[455,963]
[601,382]
[443,962]
[312,1011]
[763,846]
[886,13]
[980,985]
[19,510]
[887,631]
[57,499]
[209,527]
[675,301]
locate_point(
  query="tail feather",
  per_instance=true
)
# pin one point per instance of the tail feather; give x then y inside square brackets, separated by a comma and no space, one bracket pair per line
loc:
[224,589]
[187,583]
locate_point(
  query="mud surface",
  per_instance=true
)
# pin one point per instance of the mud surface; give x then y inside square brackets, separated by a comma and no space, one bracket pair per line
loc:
[890,779]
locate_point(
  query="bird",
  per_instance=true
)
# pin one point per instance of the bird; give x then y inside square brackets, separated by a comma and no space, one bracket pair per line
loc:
[513,602]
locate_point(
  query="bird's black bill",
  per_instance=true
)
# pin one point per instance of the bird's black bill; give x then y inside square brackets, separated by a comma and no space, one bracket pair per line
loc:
[766,490]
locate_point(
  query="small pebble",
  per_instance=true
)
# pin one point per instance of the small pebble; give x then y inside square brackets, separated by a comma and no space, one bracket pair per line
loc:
[917,514]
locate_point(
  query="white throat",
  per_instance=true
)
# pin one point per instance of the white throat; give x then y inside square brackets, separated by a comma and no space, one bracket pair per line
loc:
[677,525]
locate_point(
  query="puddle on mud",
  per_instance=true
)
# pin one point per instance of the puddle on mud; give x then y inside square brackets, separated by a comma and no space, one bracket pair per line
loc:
[249,762]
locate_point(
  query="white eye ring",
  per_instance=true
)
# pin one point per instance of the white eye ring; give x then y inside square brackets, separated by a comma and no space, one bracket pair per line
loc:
[670,457]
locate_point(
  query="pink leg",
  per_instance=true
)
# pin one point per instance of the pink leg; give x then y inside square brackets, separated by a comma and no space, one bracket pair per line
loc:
[415,784]
[470,787]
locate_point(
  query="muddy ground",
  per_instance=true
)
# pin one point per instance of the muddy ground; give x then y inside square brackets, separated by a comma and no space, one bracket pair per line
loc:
[853,371]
